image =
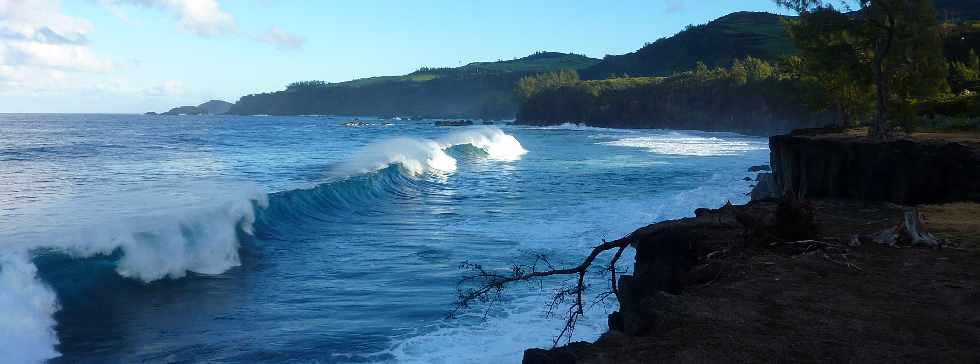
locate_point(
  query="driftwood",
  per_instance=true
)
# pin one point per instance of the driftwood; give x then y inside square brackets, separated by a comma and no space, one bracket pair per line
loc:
[830,249]
[909,232]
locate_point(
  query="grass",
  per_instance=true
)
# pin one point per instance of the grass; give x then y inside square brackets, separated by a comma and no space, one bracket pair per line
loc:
[958,222]
[540,62]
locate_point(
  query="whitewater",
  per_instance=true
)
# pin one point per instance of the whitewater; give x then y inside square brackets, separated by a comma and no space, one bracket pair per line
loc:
[241,239]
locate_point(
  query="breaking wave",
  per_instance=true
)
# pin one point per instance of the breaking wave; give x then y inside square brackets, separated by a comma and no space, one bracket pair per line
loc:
[688,144]
[156,233]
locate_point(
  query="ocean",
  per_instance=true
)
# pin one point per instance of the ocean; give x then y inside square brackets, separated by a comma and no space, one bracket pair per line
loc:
[228,239]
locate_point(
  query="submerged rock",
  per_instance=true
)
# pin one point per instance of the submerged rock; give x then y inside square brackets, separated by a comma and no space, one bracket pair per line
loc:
[454,123]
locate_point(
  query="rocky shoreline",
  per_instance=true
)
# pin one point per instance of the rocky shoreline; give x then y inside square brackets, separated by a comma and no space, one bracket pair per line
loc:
[804,278]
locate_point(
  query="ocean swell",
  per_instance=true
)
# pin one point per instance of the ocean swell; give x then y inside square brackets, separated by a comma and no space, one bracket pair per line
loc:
[156,233]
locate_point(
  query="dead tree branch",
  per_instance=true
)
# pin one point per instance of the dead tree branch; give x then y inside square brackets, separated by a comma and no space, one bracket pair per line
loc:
[487,285]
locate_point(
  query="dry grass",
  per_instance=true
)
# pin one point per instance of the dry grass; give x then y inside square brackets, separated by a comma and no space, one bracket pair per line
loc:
[968,137]
[957,222]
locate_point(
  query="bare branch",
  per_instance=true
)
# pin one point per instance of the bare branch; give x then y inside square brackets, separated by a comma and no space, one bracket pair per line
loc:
[486,286]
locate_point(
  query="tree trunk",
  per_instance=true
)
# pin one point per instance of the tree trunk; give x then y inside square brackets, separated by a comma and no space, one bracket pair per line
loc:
[879,127]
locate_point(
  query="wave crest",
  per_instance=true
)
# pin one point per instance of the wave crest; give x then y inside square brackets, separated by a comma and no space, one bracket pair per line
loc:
[419,156]
[169,231]
[28,306]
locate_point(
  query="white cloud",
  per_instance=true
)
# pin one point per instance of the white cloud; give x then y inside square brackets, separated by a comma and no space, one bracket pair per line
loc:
[66,57]
[167,88]
[39,45]
[281,39]
[201,17]
[40,20]
[206,18]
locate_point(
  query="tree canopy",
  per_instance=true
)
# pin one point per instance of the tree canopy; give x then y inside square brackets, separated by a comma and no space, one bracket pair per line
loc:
[898,43]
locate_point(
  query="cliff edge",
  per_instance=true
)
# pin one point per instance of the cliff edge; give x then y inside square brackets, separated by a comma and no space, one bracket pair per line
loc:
[807,279]
[912,169]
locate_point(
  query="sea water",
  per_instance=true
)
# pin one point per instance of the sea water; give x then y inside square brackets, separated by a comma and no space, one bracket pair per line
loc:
[225,239]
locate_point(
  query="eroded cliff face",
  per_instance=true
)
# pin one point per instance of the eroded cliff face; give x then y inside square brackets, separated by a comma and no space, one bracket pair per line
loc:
[720,286]
[749,284]
[910,170]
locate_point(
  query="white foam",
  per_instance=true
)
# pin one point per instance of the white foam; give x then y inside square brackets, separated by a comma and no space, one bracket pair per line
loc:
[497,144]
[674,143]
[416,155]
[502,338]
[522,324]
[27,324]
[159,232]
[419,155]
[580,127]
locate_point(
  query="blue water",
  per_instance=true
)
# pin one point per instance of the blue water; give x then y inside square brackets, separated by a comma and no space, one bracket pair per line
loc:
[127,238]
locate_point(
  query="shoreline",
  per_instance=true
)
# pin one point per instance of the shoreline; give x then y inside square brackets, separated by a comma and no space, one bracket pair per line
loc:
[805,280]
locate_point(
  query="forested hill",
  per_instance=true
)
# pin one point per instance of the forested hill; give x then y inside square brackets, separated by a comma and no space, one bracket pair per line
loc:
[485,89]
[734,36]
[958,10]
[482,89]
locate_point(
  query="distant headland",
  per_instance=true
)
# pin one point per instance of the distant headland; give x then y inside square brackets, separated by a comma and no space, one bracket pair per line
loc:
[213,107]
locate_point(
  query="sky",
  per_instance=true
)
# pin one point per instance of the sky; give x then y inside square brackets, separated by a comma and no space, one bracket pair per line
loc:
[133,56]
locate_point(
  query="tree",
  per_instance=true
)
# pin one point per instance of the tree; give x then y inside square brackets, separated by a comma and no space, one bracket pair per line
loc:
[915,69]
[963,73]
[906,53]
[531,85]
[833,57]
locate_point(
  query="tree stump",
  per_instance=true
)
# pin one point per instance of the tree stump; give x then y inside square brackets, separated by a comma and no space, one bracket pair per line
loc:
[909,232]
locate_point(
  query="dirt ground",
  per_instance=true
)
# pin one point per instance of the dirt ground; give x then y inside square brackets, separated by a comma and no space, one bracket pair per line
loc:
[796,304]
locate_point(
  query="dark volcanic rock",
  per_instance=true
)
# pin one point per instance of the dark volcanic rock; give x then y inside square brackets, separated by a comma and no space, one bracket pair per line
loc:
[766,187]
[760,168]
[569,354]
[454,123]
[902,171]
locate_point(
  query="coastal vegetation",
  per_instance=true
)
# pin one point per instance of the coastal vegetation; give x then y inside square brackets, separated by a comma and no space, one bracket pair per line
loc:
[890,65]
[481,89]
[750,95]
[716,44]
[899,41]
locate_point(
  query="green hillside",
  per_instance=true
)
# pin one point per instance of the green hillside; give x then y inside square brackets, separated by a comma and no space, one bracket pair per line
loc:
[734,36]
[481,89]
[485,89]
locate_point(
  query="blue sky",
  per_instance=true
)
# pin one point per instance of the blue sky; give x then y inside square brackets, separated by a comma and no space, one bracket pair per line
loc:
[142,55]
